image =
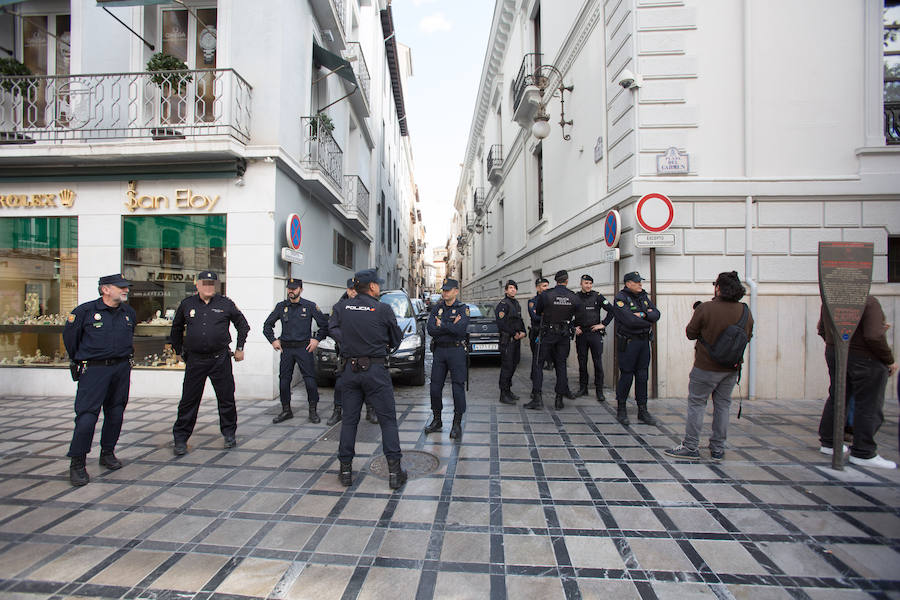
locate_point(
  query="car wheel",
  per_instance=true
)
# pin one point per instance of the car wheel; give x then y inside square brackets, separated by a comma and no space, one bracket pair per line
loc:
[418,378]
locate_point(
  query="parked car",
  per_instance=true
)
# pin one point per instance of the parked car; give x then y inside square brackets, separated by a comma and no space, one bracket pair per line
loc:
[407,361]
[419,308]
[484,337]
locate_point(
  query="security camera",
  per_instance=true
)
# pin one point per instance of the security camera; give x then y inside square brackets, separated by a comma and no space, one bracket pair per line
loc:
[629,80]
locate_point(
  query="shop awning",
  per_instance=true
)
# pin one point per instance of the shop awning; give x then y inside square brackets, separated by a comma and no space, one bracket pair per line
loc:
[333,63]
[108,3]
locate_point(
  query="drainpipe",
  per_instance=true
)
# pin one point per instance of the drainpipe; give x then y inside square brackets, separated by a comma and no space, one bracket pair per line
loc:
[748,220]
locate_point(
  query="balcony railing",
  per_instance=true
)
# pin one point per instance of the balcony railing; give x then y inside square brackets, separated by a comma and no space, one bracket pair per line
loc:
[892,123]
[356,198]
[340,8]
[478,200]
[158,105]
[495,158]
[528,71]
[321,151]
[354,54]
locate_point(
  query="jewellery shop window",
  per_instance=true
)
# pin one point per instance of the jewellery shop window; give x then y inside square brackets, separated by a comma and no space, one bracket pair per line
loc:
[38,288]
[162,256]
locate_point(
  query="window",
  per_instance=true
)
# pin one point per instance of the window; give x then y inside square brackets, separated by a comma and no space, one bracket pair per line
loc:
[894,259]
[343,251]
[381,219]
[390,237]
[45,50]
[539,155]
[891,45]
[38,288]
[192,37]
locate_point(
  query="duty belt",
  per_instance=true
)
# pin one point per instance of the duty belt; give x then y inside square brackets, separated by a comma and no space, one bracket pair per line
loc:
[105,362]
[634,336]
[209,355]
[288,344]
[555,327]
[448,344]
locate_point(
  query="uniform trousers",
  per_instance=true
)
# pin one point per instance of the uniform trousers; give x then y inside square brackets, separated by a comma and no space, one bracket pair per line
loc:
[218,369]
[553,347]
[634,362]
[371,386]
[452,359]
[510,355]
[307,364]
[589,341]
[106,387]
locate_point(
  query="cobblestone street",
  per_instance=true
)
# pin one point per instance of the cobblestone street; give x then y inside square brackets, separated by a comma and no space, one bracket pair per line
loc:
[551,504]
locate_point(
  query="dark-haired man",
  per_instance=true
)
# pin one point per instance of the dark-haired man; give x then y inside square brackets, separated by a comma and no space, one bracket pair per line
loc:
[589,332]
[508,315]
[448,325]
[556,308]
[541,285]
[709,377]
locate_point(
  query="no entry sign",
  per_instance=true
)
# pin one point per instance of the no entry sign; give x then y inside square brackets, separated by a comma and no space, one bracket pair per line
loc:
[612,228]
[293,231]
[654,212]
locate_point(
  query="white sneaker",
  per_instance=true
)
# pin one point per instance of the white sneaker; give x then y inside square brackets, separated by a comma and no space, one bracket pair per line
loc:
[876,462]
[830,451]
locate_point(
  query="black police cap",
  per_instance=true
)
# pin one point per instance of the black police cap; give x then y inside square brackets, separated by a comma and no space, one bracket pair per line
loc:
[207,276]
[117,279]
[449,284]
[512,283]
[633,276]
[587,277]
[368,276]
[293,284]
[350,283]
[561,275]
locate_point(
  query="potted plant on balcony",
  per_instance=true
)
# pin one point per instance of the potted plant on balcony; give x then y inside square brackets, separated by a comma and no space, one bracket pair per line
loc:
[320,122]
[171,75]
[10,67]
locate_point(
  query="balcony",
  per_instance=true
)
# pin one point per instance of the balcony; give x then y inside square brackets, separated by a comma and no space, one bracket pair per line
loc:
[354,55]
[478,199]
[525,93]
[356,200]
[322,155]
[495,163]
[163,105]
[330,16]
[892,123]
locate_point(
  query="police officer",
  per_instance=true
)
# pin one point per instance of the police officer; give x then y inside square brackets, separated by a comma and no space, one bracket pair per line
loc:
[367,332]
[540,285]
[556,308]
[336,414]
[589,332]
[200,334]
[296,345]
[635,316]
[508,315]
[98,337]
[448,325]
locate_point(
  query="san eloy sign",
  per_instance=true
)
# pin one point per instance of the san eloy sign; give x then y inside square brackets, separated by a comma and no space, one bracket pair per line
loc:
[185,199]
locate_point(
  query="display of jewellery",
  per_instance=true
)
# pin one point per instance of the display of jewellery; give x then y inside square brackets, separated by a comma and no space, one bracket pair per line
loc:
[58,319]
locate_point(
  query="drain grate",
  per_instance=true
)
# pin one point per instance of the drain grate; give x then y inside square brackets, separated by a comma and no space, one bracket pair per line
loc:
[416,463]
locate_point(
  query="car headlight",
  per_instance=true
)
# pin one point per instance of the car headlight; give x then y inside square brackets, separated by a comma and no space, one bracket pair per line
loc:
[410,342]
[327,344]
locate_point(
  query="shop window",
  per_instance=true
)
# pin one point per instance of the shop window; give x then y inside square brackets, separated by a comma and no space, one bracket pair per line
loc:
[38,288]
[343,251]
[894,259]
[162,256]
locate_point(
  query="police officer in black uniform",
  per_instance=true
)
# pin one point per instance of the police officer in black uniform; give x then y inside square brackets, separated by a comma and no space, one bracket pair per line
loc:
[200,335]
[448,325]
[635,316]
[556,308]
[589,333]
[540,285]
[99,339]
[367,332]
[296,344]
[508,315]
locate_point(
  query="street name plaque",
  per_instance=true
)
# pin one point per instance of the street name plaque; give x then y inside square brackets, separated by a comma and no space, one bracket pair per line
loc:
[845,275]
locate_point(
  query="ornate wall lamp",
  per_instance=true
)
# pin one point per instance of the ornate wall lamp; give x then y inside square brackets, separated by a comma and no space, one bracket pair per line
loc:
[541,127]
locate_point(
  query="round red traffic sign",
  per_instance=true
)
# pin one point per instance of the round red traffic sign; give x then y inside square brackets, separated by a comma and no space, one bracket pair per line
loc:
[654,212]
[612,229]
[293,231]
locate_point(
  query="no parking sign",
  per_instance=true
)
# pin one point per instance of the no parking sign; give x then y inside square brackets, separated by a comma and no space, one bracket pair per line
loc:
[654,212]
[293,231]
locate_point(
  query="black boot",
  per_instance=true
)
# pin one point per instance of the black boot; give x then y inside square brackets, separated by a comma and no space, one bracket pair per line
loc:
[313,414]
[78,474]
[558,405]
[370,415]
[435,425]
[284,415]
[582,390]
[506,397]
[570,395]
[456,429]
[335,417]
[644,415]
[346,474]
[515,397]
[108,459]
[600,396]
[621,413]
[536,402]
[396,475]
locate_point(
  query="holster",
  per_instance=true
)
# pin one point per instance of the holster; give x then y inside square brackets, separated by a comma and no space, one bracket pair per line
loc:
[76,369]
[360,364]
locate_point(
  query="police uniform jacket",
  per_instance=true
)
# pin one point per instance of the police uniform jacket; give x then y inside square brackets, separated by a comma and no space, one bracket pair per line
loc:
[508,315]
[635,314]
[556,306]
[96,331]
[363,326]
[202,328]
[535,318]
[448,333]
[587,314]
[296,321]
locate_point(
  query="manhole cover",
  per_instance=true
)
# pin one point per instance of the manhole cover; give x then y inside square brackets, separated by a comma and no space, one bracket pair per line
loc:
[415,462]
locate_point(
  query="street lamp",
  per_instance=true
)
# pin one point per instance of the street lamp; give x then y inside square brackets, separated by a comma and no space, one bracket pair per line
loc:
[541,127]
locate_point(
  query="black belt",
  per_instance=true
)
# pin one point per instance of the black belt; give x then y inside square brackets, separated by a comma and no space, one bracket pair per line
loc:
[555,327]
[105,362]
[287,344]
[635,336]
[448,345]
[372,360]
[216,354]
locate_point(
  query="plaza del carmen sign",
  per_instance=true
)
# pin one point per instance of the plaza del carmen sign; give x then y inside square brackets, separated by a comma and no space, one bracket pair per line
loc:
[293,233]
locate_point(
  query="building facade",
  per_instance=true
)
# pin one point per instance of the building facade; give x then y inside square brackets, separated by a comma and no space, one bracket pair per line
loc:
[770,125]
[105,166]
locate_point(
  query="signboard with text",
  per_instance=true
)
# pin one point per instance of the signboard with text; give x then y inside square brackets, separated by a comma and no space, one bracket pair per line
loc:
[654,240]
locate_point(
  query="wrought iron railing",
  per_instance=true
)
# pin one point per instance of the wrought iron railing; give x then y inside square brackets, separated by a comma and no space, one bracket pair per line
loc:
[495,157]
[321,151]
[339,9]
[354,54]
[356,198]
[892,123]
[528,71]
[478,200]
[159,105]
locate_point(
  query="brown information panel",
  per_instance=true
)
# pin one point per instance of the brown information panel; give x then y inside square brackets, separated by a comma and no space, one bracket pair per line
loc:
[845,275]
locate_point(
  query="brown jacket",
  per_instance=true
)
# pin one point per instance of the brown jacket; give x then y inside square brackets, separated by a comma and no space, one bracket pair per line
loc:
[709,321]
[869,339]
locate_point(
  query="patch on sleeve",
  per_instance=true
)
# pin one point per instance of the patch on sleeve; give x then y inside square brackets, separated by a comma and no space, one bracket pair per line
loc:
[619,303]
[70,318]
[501,314]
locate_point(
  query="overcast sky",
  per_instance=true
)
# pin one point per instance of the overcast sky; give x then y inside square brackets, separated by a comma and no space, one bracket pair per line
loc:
[448,40]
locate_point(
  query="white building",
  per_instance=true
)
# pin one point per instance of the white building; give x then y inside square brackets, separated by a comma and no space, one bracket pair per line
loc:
[776,110]
[286,108]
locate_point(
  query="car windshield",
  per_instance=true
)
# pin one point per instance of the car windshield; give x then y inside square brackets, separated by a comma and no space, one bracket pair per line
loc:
[399,303]
[481,310]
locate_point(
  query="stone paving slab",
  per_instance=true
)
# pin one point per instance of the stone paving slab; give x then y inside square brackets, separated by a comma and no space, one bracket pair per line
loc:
[548,504]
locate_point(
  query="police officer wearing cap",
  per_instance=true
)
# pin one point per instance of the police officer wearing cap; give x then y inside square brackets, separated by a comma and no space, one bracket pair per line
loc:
[508,315]
[541,284]
[367,332]
[556,308]
[296,344]
[448,326]
[200,335]
[635,316]
[589,332]
[98,337]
